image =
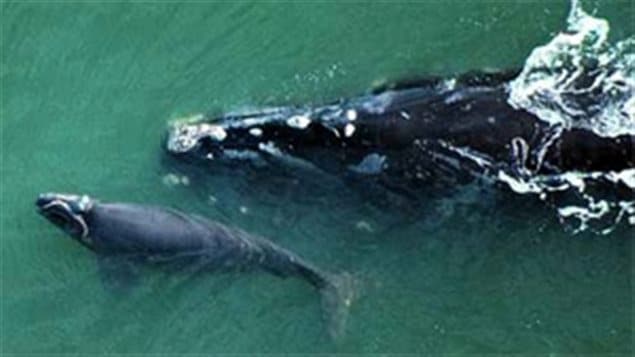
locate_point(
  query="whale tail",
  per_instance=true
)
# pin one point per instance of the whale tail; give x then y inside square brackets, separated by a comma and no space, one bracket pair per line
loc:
[337,291]
[338,294]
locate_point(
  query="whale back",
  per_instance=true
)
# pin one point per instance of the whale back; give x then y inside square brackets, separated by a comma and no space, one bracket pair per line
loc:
[127,228]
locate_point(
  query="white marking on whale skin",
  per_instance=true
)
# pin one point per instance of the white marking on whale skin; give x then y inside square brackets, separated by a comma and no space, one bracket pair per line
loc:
[215,132]
[351,114]
[481,160]
[334,131]
[270,148]
[76,217]
[371,164]
[404,115]
[288,159]
[184,137]
[255,131]
[181,137]
[449,84]
[453,98]
[247,122]
[299,121]
[349,129]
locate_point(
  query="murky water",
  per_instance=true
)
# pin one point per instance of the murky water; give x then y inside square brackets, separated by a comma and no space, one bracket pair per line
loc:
[87,91]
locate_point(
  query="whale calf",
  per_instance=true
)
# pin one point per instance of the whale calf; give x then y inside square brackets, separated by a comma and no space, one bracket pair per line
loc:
[163,236]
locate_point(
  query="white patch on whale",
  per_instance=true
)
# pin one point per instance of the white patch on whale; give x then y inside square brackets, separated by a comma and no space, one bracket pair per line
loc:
[449,84]
[269,148]
[183,137]
[349,129]
[215,132]
[351,114]
[255,131]
[299,121]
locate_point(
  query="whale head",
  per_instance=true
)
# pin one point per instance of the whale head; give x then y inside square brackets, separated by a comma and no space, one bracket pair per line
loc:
[209,141]
[261,137]
[68,212]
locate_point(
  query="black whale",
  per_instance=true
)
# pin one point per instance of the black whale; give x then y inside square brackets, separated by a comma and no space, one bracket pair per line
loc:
[406,135]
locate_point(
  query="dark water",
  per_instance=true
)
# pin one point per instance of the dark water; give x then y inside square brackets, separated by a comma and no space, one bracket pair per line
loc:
[87,91]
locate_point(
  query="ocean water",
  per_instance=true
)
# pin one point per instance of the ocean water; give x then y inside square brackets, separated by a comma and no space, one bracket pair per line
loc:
[88,89]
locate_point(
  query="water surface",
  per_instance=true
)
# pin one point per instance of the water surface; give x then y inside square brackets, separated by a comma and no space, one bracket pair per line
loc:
[87,91]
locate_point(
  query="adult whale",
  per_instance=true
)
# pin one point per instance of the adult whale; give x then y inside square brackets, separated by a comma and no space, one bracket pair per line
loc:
[161,236]
[406,136]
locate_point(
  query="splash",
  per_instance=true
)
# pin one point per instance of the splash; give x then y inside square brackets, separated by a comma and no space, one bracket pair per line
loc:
[583,201]
[580,80]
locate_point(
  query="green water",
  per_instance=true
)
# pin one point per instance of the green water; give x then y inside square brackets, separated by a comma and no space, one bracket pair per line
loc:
[87,90]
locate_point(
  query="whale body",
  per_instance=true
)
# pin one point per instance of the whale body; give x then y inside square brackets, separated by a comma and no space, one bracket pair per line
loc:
[406,135]
[163,236]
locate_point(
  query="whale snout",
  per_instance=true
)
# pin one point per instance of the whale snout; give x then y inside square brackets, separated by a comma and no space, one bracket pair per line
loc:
[185,137]
[43,200]
[216,140]
[78,203]
[65,211]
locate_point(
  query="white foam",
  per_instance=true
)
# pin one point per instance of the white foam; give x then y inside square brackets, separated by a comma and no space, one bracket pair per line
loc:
[579,79]
[627,177]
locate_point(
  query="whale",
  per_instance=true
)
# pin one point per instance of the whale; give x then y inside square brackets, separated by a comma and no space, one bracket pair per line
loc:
[406,136]
[159,236]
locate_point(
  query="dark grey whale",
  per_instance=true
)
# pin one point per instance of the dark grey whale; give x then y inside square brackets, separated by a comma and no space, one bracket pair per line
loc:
[405,136]
[161,236]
